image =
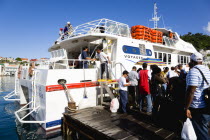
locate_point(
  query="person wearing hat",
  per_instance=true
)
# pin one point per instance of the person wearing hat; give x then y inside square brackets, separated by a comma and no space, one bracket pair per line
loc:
[68,29]
[195,105]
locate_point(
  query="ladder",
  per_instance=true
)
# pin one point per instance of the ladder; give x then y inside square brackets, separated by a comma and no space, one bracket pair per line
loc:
[111,86]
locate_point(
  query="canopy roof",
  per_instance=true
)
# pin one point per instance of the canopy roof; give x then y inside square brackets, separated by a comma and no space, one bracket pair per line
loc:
[151,61]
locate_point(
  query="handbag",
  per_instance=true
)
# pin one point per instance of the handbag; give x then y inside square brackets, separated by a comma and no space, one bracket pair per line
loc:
[206,92]
[188,132]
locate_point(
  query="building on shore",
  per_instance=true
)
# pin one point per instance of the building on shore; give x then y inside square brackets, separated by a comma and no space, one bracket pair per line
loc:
[7,69]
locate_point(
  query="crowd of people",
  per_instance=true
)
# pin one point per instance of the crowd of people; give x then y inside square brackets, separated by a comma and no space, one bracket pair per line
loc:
[175,92]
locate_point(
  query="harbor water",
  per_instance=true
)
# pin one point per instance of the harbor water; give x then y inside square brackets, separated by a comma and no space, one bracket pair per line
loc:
[10,129]
[7,117]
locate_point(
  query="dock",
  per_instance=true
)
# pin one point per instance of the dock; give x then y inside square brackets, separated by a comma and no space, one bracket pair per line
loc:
[98,123]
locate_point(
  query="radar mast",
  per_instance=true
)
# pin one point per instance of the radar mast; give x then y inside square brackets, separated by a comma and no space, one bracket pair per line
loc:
[155,17]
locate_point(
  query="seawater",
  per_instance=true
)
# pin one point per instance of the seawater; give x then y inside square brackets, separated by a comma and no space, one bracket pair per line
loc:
[7,117]
[10,129]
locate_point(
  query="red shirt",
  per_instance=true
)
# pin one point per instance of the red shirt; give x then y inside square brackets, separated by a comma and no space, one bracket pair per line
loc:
[144,82]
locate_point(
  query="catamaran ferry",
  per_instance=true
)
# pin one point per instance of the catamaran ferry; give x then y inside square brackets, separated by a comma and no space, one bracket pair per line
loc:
[59,81]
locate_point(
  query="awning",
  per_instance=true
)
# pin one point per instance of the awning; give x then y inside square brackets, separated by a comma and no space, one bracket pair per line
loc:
[151,61]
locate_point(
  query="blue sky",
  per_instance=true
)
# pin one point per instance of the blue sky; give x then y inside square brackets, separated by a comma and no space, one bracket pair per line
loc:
[29,27]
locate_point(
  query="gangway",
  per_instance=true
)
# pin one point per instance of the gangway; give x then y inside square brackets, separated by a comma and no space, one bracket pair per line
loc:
[110,86]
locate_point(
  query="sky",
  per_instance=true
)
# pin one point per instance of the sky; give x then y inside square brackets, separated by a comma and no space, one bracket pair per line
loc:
[29,27]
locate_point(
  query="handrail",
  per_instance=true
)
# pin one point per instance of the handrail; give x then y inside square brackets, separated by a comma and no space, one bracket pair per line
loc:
[32,104]
[15,92]
[110,27]
[24,108]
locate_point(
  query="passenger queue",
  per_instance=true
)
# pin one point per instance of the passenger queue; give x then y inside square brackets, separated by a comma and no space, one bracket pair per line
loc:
[169,95]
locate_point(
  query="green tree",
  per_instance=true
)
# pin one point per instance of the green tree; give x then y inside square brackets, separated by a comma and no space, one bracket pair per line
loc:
[18,59]
[199,40]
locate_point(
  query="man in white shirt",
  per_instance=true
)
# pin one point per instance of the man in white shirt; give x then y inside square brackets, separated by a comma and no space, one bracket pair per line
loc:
[123,91]
[172,73]
[198,80]
[104,59]
[133,78]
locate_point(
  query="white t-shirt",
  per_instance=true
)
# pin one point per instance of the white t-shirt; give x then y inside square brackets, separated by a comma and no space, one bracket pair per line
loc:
[172,74]
[122,82]
[102,57]
[194,78]
[80,57]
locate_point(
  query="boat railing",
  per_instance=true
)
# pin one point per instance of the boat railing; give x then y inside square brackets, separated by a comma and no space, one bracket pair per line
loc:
[71,64]
[169,41]
[14,95]
[32,106]
[99,26]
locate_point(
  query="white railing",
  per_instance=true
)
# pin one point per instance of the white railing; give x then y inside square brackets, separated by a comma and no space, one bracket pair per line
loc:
[14,95]
[31,107]
[99,26]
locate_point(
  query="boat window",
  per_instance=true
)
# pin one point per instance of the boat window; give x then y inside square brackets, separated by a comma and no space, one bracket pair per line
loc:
[131,50]
[142,49]
[185,60]
[52,54]
[160,56]
[169,58]
[123,30]
[166,41]
[124,49]
[182,60]
[188,59]
[56,53]
[148,52]
[62,52]
[171,42]
[164,57]
[155,54]
[178,59]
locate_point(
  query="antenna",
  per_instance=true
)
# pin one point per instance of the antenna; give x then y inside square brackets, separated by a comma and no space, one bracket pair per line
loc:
[155,18]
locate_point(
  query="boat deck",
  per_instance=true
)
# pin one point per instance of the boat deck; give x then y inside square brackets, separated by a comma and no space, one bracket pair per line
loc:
[99,123]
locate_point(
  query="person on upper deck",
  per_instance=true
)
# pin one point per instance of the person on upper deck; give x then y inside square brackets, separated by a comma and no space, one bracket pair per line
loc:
[102,28]
[61,33]
[68,29]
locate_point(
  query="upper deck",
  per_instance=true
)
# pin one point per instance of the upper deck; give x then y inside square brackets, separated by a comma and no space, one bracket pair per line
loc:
[105,28]
[99,26]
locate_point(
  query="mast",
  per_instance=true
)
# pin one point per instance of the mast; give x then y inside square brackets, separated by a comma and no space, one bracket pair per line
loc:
[155,17]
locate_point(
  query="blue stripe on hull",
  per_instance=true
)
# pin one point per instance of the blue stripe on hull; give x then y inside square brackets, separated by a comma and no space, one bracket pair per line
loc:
[53,123]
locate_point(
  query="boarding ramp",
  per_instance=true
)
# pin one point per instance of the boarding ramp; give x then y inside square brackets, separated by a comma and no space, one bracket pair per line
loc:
[109,86]
[105,26]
